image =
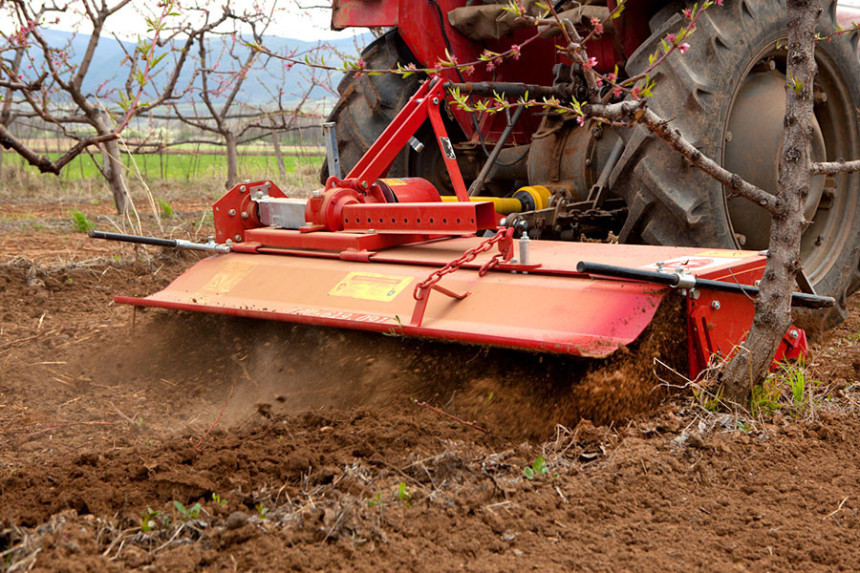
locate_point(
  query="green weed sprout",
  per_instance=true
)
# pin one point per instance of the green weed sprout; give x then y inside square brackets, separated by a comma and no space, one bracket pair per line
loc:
[376,501]
[153,519]
[403,493]
[81,222]
[764,399]
[790,379]
[794,376]
[187,513]
[166,209]
[262,510]
[217,499]
[538,468]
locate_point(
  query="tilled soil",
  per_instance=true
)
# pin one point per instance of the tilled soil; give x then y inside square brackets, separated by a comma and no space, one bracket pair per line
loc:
[308,449]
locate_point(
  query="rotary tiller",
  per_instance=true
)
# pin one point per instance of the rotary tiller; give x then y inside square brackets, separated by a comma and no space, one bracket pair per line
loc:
[391,255]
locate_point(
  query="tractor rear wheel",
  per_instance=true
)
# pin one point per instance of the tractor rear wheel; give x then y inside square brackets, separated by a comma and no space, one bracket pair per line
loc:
[727,96]
[367,103]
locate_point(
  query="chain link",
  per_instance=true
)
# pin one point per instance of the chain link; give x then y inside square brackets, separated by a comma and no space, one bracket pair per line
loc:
[424,286]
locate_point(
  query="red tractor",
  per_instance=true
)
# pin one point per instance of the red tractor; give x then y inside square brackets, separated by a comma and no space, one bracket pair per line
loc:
[726,94]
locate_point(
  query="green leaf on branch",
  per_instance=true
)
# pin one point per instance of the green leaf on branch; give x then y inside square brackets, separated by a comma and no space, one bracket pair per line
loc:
[156,60]
[123,101]
[513,8]
[795,84]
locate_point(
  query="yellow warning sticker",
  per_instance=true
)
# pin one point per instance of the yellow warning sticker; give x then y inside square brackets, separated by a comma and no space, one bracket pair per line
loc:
[727,254]
[394,182]
[228,277]
[371,286]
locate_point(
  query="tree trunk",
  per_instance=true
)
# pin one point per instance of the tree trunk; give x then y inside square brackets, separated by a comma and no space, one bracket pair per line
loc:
[752,361]
[114,169]
[232,170]
[276,141]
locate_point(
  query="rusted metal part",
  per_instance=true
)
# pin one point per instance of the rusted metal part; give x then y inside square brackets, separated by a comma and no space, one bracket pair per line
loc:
[568,157]
[568,220]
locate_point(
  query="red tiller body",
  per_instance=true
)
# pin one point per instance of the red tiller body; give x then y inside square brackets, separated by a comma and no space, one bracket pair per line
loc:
[545,305]
[388,255]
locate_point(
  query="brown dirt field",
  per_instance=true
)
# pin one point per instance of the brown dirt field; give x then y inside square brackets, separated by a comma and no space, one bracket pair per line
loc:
[307,450]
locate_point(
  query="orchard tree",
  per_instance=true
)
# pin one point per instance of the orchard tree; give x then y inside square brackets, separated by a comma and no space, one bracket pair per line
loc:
[52,82]
[56,84]
[219,102]
[223,62]
[10,59]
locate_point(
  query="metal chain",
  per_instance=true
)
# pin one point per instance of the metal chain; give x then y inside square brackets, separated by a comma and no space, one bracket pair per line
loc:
[467,257]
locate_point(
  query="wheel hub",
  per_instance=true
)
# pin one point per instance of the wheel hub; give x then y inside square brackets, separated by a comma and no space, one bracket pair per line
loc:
[753,149]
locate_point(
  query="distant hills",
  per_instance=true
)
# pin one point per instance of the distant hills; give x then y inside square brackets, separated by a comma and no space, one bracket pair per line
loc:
[263,81]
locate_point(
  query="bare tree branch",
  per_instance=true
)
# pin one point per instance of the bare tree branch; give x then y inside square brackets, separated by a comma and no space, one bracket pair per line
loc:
[637,112]
[835,167]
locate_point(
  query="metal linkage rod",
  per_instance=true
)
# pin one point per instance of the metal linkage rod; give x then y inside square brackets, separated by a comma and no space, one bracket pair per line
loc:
[478,183]
[170,243]
[677,280]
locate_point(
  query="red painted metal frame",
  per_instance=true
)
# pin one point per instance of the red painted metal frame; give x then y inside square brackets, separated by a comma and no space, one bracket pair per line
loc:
[327,211]
[325,241]
[564,315]
[552,308]
[379,157]
[234,213]
[447,218]
[718,322]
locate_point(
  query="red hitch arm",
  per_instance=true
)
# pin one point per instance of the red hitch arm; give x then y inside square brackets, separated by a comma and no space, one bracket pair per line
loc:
[325,210]
[379,157]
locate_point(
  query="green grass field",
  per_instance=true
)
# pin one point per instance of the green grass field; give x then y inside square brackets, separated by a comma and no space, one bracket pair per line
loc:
[186,166]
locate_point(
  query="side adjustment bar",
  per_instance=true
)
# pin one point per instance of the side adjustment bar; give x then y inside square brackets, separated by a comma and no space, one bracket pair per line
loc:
[170,243]
[687,281]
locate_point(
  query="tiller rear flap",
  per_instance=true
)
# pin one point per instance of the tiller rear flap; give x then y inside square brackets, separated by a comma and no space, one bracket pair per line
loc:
[389,255]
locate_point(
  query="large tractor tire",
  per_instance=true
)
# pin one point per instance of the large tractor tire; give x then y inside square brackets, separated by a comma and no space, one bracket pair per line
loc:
[726,95]
[367,103]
